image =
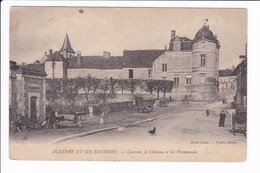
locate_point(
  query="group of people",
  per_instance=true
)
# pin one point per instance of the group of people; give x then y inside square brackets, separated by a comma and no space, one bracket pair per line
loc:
[52,120]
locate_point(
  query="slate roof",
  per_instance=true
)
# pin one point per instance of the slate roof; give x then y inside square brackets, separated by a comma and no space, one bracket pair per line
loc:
[33,69]
[140,58]
[184,39]
[56,56]
[97,62]
[226,72]
[206,33]
[130,59]
[186,43]
[242,64]
[66,45]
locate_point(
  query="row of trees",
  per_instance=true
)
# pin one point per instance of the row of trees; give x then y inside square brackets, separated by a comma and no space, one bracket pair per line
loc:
[101,88]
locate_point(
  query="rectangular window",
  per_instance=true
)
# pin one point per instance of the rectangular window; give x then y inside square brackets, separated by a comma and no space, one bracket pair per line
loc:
[176,81]
[202,78]
[131,74]
[203,60]
[164,67]
[150,71]
[188,79]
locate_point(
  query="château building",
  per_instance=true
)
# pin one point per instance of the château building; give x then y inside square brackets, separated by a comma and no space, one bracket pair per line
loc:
[193,65]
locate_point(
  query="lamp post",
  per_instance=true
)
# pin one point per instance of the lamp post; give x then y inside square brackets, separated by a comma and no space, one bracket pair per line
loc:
[53,67]
[217,85]
[106,100]
[106,112]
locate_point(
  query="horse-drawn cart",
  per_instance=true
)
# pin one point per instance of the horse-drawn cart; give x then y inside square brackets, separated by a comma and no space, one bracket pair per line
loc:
[145,105]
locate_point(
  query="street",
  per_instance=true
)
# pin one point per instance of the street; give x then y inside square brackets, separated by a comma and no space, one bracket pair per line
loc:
[187,135]
[190,131]
[189,125]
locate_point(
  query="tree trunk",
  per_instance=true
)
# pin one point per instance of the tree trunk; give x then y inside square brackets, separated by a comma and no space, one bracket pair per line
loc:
[163,94]
[112,88]
[158,92]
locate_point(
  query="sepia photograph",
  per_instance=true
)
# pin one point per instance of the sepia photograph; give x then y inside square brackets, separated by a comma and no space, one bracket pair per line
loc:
[128,84]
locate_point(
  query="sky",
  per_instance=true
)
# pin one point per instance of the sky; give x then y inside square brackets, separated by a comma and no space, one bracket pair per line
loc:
[34,30]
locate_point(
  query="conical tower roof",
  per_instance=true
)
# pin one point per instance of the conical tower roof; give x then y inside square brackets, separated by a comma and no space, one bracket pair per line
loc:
[66,45]
[206,33]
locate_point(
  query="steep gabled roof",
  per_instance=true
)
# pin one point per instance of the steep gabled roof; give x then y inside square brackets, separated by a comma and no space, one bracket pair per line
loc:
[140,58]
[66,45]
[97,62]
[243,64]
[44,58]
[56,56]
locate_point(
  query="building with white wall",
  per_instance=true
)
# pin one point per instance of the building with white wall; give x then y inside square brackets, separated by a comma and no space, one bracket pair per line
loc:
[227,81]
[192,64]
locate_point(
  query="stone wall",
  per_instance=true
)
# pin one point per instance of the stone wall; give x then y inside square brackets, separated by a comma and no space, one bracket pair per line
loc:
[20,94]
[204,93]
[98,73]
[57,68]
[27,86]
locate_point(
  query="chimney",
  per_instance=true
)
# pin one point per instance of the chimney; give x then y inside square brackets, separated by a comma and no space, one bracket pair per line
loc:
[78,57]
[246,50]
[241,58]
[173,34]
[177,44]
[106,54]
[50,51]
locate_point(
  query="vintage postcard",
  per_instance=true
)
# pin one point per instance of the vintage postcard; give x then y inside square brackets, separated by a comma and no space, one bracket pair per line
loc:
[128,84]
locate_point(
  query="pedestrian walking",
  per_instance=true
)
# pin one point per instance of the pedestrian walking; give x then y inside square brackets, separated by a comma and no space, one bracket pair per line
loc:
[53,120]
[222,117]
[207,112]
[49,111]
[76,120]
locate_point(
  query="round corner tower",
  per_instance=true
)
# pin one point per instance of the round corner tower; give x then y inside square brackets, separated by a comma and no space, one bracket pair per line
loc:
[205,65]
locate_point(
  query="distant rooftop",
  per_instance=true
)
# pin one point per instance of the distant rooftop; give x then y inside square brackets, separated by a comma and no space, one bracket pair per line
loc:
[140,58]
[226,72]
